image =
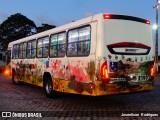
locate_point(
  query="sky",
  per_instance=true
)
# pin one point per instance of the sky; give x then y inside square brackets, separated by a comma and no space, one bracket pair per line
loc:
[60,12]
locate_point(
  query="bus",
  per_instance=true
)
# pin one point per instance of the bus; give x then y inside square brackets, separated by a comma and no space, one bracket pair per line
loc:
[4,60]
[99,55]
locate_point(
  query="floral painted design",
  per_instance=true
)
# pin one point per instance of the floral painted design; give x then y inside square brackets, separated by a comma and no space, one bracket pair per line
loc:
[83,77]
[81,87]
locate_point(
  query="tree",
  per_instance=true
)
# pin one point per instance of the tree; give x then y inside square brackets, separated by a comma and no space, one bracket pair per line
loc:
[44,27]
[15,27]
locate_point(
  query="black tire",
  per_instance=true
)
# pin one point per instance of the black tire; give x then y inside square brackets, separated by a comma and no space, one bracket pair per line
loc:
[14,78]
[48,87]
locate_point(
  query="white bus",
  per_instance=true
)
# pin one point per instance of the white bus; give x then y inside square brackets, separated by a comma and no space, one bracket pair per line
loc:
[99,55]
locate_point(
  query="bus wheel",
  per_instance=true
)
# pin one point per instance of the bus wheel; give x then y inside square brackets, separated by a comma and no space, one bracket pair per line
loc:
[48,87]
[14,78]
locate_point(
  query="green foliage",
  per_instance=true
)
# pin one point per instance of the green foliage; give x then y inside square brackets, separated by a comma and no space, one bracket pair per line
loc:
[15,27]
[44,27]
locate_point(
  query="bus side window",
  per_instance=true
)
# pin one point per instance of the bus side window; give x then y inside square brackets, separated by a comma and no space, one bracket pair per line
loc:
[53,46]
[39,48]
[22,50]
[31,49]
[57,45]
[83,48]
[72,49]
[79,41]
[39,52]
[53,51]
[45,46]
[42,47]
[72,42]
[84,41]
[15,51]
[61,49]
[61,44]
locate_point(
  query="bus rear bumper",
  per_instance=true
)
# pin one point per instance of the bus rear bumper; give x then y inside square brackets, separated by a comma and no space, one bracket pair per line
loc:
[123,87]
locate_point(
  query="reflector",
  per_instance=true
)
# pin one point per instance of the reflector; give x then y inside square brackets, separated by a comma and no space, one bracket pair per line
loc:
[147,22]
[106,16]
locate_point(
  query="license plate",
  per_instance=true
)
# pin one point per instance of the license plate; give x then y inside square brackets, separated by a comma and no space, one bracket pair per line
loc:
[144,78]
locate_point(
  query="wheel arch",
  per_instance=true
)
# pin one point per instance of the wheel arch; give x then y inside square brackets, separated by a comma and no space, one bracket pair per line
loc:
[45,75]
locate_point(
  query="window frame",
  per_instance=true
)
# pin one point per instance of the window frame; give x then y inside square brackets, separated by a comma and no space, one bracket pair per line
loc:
[78,41]
[58,45]
[42,46]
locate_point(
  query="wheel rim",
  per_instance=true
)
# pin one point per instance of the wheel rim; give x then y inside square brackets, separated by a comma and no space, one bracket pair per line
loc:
[48,87]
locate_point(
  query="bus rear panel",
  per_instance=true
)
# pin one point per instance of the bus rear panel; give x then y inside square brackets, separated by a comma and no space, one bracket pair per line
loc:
[128,56]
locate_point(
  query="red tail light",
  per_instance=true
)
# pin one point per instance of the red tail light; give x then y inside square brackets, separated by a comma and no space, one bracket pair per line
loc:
[104,72]
[106,16]
[148,22]
[152,71]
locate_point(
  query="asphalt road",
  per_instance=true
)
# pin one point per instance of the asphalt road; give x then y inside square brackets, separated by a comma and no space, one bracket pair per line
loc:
[29,102]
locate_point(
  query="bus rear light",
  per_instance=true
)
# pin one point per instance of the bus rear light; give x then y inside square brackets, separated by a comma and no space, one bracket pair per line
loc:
[106,16]
[152,71]
[148,22]
[104,72]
